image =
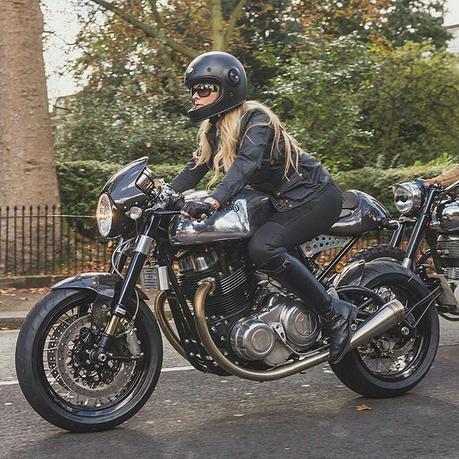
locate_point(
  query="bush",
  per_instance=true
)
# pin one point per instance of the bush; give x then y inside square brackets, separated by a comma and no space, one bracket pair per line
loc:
[80,182]
[378,182]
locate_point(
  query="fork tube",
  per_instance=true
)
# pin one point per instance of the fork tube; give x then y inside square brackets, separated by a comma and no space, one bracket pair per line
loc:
[397,235]
[418,231]
[141,250]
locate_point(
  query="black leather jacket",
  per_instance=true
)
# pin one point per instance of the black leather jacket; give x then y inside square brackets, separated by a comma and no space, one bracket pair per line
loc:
[263,170]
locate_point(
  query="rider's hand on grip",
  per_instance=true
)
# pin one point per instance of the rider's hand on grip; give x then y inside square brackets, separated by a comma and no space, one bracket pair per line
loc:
[197,210]
[177,202]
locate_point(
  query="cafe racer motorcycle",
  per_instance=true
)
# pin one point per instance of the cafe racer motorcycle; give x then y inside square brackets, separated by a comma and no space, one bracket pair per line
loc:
[89,354]
[429,215]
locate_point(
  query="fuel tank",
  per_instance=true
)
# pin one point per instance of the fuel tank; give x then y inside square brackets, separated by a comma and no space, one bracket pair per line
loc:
[247,212]
[446,215]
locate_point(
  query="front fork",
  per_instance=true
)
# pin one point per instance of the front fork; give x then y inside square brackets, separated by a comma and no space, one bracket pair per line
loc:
[122,307]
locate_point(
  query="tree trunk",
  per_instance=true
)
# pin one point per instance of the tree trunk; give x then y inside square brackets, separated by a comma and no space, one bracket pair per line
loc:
[27,167]
[27,171]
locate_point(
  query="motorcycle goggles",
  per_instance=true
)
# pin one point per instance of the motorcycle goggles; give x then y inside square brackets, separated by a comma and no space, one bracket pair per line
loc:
[204,89]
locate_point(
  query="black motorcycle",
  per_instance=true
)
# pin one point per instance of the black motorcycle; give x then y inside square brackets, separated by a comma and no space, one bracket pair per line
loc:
[426,240]
[89,354]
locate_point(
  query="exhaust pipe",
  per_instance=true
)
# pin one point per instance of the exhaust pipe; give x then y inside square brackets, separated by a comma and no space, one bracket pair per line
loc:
[168,331]
[387,317]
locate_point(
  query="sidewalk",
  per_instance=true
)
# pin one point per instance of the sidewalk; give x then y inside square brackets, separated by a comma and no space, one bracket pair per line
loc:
[15,304]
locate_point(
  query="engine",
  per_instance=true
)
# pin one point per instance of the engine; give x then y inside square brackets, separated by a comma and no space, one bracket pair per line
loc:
[448,248]
[282,327]
[248,320]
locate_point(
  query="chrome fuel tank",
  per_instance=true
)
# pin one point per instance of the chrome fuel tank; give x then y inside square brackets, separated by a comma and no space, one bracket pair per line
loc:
[239,220]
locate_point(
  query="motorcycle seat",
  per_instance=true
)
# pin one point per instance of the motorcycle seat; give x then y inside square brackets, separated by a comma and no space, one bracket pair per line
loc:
[350,202]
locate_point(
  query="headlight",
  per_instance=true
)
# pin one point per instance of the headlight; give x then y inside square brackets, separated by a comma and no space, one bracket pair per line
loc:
[408,197]
[104,215]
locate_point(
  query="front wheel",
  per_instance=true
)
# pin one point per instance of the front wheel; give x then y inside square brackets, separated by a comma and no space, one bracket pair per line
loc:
[396,361]
[61,381]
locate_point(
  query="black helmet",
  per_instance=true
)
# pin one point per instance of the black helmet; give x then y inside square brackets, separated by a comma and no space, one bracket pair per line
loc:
[227,72]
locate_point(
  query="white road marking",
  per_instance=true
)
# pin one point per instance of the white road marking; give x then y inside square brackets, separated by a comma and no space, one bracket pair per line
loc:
[167,370]
[164,370]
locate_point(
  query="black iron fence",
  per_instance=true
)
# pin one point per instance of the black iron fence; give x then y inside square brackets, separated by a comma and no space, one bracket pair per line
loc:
[44,240]
[38,240]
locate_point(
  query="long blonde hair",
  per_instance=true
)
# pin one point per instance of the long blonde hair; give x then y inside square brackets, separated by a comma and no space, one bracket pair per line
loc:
[230,125]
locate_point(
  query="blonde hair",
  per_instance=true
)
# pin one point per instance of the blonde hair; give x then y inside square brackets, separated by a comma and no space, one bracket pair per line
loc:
[230,125]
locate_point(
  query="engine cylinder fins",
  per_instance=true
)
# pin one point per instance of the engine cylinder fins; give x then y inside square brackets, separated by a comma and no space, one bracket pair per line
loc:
[252,339]
[230,296]
[197,263]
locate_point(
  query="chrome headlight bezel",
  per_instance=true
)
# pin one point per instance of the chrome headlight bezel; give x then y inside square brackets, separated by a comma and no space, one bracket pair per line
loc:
[104,214]
[408,197]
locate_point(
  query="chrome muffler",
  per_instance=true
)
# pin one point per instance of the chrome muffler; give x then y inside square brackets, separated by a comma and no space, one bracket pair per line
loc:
[387,317]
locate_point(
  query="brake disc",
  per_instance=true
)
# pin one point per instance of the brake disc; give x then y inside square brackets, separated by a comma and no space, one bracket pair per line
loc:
[80,375]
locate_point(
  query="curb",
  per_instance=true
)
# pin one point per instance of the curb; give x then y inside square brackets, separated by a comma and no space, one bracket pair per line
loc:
[11,323]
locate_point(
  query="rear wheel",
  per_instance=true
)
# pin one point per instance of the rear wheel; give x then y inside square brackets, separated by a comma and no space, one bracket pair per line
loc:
[396,361]
[67,387]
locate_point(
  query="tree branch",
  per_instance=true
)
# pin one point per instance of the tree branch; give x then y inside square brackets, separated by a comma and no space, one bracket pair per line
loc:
[235,15]
[147,30]
[217,23]
[155,11]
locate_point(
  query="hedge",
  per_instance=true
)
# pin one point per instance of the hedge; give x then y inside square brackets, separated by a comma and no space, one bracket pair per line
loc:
[379,182]
[81,181]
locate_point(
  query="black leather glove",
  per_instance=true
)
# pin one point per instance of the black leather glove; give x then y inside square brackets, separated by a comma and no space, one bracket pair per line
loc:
[198,210]
[176,202]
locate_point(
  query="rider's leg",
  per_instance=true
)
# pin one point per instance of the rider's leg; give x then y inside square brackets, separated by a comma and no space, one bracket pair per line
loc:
[268,250]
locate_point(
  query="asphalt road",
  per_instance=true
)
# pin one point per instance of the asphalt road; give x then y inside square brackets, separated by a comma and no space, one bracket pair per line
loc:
[193,415]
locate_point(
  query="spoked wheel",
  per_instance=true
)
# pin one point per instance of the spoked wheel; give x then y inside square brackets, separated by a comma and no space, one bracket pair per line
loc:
[394,362]
[62,380]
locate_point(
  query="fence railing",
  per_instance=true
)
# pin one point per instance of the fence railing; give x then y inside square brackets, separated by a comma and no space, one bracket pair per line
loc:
[37,240]
[44,240]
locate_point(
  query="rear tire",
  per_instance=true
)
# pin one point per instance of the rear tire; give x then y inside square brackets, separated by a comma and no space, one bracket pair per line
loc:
[42,387]
[356,374]
[376,252]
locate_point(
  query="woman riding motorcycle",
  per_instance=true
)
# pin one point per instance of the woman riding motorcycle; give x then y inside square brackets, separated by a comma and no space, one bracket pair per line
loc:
[247,141]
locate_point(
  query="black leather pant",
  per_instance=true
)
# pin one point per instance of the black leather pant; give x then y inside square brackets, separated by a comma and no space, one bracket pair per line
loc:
[285,230]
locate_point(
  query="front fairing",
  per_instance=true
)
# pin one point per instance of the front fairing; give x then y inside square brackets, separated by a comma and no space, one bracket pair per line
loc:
[124,194]
[122,188]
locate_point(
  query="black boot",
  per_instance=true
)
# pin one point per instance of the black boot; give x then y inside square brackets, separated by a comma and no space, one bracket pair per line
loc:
[337,321]
[336,314]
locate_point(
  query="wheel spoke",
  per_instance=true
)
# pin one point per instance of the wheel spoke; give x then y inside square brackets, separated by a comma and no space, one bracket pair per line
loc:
[73,377]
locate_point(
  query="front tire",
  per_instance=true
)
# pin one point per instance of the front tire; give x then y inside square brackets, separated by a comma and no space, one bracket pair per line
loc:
[67,390]
[392,364]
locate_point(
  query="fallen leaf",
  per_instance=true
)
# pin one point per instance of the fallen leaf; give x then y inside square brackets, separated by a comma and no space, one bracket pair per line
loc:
[362,407]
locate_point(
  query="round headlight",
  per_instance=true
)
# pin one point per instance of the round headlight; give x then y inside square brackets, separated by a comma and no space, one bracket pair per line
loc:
[104,215]
[408,197]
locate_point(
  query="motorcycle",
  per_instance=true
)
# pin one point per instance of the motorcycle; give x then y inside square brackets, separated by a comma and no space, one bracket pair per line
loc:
[89,354]
[430,216]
